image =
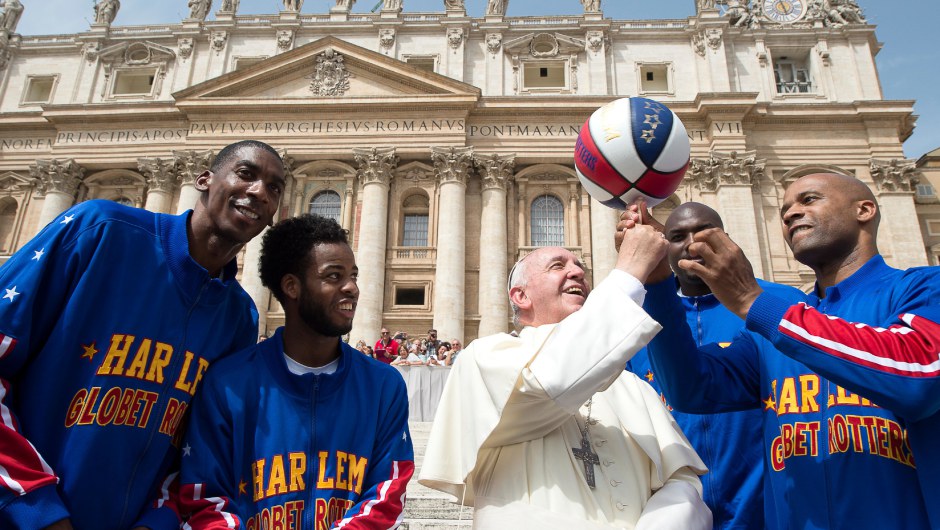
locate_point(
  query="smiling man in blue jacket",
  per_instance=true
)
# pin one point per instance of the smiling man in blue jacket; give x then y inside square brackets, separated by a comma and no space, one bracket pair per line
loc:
[728,442]
[847,377]
[111,316]
[286,434]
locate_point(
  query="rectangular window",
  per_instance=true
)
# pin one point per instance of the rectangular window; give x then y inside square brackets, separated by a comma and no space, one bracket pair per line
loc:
[409,296]
[544,75]
[422,62]
[133,82]
[654,78]
[925,190]
[39,89]
[415,231]
[792,75]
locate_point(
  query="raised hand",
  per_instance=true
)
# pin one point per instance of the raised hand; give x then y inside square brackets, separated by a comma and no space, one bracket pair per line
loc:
[725,268]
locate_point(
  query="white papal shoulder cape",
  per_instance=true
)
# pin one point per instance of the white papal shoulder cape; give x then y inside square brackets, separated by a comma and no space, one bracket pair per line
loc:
[513,409]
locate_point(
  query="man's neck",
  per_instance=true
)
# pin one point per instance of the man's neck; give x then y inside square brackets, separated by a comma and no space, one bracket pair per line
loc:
[308,347]
[694,289]
[210,250]
[835,271]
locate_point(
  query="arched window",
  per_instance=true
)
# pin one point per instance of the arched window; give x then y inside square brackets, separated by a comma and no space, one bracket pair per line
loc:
[326,204]
[415,221]
[123,200]
[548,222]
[8,209]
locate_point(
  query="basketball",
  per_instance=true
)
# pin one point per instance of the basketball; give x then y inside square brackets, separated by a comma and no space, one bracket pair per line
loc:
[632,148]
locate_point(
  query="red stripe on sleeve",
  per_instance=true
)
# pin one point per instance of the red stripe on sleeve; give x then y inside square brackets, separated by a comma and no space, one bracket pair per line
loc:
[387,509]
[207,512]
[911,350]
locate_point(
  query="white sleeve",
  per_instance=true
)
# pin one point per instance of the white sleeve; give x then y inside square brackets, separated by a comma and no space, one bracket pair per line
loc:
[590,348]
[678,505]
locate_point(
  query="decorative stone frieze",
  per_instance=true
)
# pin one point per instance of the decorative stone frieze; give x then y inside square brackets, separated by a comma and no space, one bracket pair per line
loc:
[452,163]
[386,39]
[494,41]
[495,170]
[375,164]
[218,39]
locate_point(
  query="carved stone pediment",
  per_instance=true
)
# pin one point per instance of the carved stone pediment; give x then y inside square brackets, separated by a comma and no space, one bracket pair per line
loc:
[136,54]
[540,45]
[11,183]
[415,173]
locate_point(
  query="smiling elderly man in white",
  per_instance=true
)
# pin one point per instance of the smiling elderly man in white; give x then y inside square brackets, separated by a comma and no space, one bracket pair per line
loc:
[546,430]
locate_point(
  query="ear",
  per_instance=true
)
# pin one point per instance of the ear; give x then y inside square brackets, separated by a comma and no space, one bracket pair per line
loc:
[291,286]
[203,180]
[519,298]
[865,210]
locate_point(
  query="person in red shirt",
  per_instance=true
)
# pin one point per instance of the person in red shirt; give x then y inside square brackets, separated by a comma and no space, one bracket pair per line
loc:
[386,348]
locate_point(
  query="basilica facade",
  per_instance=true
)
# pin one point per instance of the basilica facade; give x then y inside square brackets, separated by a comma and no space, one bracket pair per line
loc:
[444,143]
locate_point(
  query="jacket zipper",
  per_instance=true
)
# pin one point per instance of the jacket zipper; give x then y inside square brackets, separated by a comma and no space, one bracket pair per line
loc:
[177,359]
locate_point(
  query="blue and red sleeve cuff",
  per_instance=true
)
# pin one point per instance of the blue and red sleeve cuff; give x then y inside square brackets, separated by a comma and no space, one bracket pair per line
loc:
[37,509]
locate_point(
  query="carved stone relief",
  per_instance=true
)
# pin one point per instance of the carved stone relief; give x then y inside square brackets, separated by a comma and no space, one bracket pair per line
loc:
[330,78]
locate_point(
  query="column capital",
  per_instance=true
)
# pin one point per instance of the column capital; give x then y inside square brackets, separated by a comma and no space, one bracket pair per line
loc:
[61,176]
[895,175]
[726,169]
[496,170]
[159,172]
[375,164]
[288,162]
[452,163]
[190,164]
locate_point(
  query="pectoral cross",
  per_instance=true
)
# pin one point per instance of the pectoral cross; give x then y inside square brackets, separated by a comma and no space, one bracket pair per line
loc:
[589,457]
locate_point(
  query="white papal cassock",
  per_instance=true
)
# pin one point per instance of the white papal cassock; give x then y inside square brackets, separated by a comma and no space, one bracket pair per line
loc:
[511,414]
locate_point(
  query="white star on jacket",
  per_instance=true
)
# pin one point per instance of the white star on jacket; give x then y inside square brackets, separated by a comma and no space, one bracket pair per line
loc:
[68,219]
[11,293]
[37,254]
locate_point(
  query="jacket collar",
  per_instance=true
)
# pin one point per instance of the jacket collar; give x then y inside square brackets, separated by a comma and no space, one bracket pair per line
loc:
[860,279]
[192,278]
[272,351]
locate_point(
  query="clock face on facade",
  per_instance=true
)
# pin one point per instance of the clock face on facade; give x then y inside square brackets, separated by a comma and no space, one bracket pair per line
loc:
[784,11]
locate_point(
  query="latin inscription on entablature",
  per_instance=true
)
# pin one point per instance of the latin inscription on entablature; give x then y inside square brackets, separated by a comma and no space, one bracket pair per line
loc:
[121,136]
[25,144]
[328,127]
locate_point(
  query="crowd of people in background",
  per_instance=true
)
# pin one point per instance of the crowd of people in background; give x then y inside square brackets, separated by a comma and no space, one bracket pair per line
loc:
[399,349]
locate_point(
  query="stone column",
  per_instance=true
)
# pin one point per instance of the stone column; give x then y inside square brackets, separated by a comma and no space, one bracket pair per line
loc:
[58,180]
[896,181]
[348,206]
[189,165]
[496,172]
[375,173]
[732,177]
[161,179]
[603,254]
[251,280]
[452,165]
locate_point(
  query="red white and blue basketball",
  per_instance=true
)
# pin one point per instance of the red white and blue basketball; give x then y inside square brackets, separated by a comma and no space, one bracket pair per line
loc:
[632,148]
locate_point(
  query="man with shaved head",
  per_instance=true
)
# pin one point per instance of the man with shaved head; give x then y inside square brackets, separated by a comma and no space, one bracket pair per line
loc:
[847,377]
[728,442]
[545,429]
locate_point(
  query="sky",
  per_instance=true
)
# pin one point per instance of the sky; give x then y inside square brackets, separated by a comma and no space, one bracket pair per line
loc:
[909,65]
